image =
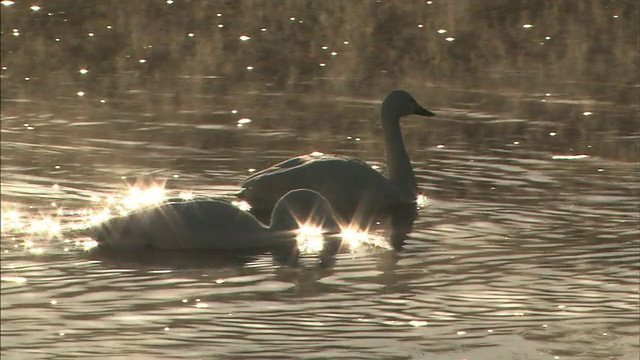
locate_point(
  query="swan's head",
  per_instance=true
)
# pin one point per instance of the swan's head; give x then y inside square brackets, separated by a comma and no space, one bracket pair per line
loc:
[303,207]
[400,103]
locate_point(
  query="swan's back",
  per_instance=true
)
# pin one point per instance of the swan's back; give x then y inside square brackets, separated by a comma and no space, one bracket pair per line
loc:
[351,186]
[200,224]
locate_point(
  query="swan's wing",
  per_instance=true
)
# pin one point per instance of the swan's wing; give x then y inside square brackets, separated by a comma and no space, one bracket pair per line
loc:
[287,164]
[346,182]
[297,162]
[291,169]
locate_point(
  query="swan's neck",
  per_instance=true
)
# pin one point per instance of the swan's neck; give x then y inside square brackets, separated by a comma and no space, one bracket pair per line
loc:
[399,170]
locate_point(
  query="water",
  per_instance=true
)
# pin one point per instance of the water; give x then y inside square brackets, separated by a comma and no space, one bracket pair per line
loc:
[528,246]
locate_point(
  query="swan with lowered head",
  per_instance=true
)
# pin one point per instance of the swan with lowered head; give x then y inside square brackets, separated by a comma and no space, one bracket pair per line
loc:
[214,225]
[352,187]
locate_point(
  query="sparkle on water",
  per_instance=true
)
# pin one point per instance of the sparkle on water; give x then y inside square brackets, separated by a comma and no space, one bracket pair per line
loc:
[310,239]
[42,228]
[569,157]
[241,204]
[14,279]
[422,200]
[139,197]
[355,238]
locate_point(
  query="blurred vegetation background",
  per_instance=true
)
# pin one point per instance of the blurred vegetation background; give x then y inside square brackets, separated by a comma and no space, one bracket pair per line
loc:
[594,43]
[536,66]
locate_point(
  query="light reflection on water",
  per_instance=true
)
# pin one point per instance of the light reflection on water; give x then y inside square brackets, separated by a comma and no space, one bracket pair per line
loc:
[517,251]
[525,247]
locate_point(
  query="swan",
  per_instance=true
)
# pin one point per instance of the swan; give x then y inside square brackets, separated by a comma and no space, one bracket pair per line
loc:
[214,225]
[352,187]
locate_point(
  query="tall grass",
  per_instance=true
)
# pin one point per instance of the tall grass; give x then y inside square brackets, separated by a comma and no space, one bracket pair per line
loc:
[389,43]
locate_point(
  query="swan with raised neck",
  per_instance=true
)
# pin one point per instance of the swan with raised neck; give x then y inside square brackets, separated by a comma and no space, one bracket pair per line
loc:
[396,105]
[352,187]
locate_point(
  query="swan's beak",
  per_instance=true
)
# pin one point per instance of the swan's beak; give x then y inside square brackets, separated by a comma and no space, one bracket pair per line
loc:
[419,110]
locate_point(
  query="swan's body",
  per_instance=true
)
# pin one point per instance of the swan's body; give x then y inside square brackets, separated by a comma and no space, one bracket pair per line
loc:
[351,186]
[214,224]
